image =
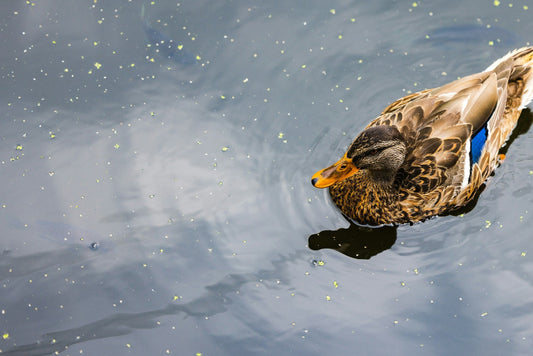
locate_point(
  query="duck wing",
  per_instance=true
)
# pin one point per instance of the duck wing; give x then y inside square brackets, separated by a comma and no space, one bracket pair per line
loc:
[438,125]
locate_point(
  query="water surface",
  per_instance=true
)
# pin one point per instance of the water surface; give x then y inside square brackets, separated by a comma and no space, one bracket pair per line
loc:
[161,204]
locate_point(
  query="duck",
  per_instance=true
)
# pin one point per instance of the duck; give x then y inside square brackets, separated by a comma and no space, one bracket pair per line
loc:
[431,152]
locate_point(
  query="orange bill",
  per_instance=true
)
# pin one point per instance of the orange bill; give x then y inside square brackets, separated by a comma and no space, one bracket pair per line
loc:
[343,169]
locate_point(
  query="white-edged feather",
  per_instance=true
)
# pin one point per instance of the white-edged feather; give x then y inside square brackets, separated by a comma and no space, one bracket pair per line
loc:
[467,167]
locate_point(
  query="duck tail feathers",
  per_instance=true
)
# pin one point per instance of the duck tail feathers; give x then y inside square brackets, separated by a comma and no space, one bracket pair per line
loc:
[523,70]
[519,67]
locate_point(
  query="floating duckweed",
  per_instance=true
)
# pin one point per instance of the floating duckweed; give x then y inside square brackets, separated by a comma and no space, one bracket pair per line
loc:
[484,314]
[18,147]
[5,336]
[332,11]
[496,3]
[335,284]
[224,149]
[97,65]
[280,135]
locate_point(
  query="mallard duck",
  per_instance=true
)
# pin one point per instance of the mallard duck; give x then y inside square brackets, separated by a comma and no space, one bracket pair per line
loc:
[430,152]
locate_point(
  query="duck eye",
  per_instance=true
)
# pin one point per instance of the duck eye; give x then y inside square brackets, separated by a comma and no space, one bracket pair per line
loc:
[343,166]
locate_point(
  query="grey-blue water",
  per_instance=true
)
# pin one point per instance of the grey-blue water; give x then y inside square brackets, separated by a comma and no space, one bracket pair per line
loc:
[155,182]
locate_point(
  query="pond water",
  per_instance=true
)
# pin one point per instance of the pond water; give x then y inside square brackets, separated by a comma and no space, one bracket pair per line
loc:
[155,163]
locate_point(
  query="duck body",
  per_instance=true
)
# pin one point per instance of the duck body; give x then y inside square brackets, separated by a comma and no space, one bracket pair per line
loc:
[430,152]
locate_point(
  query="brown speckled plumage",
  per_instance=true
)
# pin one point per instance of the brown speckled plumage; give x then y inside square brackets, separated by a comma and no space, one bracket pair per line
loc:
[414,162]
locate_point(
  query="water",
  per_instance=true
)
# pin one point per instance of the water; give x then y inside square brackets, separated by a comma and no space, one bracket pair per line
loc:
[192,178]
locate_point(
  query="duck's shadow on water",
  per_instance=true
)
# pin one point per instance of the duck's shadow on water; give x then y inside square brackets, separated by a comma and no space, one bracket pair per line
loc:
[363,242]
[355,241]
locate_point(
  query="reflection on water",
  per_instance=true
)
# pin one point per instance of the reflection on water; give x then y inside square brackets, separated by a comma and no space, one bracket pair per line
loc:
[213,302]
[164,45]
[355,241]
[465,35]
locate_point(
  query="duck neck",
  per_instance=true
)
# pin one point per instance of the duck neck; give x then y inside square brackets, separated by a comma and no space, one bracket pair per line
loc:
[368,198]
[383,179]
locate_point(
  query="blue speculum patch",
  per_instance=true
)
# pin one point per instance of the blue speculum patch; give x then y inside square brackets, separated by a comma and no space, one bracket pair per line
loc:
[478,142]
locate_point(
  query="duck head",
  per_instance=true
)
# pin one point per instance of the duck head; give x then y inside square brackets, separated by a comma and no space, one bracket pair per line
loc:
[379,150]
